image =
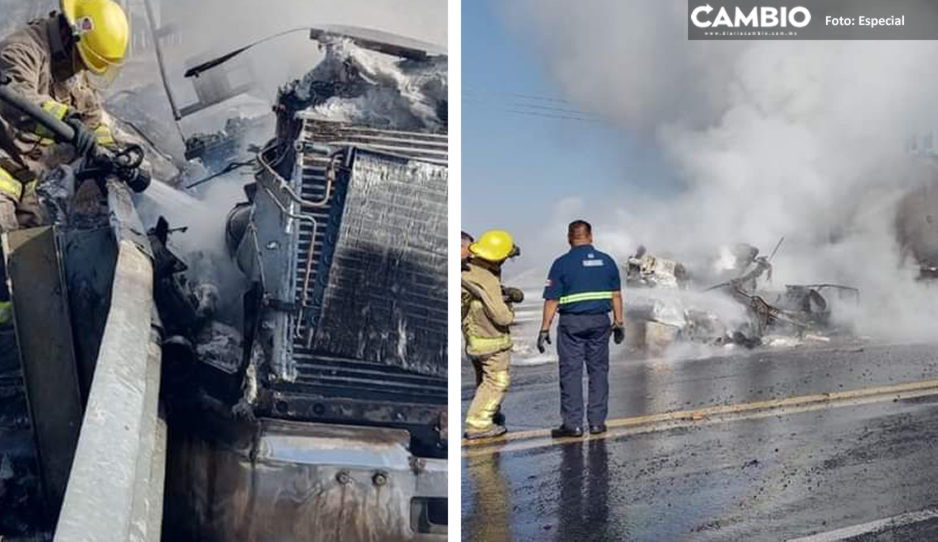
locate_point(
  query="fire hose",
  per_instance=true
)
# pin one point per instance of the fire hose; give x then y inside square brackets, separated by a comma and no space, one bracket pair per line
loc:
[123,163]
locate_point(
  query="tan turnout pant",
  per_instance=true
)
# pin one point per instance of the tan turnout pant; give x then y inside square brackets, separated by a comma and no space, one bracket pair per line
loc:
[492,379]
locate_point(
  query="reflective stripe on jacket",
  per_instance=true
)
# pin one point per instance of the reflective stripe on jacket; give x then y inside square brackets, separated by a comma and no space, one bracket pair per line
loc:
[26,60]
[57,110]
[487,317]
[477,345]
[10,186]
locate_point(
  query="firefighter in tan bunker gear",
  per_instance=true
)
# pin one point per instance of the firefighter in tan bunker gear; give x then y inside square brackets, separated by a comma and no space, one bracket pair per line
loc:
[485,327]
[52,62]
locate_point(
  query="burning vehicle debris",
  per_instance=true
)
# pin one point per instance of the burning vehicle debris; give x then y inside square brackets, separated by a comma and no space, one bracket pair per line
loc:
[290,382]
[916,223]
[343,241]
[669,304]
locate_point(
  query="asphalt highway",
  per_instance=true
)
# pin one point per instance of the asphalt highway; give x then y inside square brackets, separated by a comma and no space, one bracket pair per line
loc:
[828,443]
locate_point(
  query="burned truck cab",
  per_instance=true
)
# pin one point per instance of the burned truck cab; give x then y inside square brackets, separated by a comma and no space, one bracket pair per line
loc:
[333,425]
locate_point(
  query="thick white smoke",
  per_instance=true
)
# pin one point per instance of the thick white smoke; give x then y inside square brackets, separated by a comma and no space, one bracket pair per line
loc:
[798,139]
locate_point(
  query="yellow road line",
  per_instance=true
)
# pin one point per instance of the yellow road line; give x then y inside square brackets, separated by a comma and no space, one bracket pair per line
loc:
[524,440]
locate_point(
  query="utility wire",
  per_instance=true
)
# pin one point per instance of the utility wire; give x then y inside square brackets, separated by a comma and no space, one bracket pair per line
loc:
[529,104]
[543,115]
[532,110]
[576,112]
[515,94]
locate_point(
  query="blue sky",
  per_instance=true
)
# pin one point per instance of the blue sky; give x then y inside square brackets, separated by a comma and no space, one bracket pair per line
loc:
[518,164]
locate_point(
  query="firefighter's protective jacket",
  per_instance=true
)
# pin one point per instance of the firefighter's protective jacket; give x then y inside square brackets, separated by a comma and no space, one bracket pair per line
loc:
[26,62]
[487,317]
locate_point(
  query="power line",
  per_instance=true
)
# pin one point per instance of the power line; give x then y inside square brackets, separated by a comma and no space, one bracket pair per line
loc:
[538,107]
[535,107]
[516,94]
[527,104]
[543,115]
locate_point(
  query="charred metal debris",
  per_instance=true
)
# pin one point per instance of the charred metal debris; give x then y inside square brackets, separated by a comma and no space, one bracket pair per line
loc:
[342,244]
[309,351]
[670,305]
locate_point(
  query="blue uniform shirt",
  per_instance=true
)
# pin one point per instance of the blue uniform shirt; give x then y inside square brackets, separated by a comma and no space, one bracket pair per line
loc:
[583,280]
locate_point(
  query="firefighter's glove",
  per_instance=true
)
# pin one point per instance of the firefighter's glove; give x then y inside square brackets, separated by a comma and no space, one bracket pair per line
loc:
[618,333]
[543,337]
[512,295]
[85,142]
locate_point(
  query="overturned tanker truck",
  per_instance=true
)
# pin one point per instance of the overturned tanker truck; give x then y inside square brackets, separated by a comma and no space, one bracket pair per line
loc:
[323,416]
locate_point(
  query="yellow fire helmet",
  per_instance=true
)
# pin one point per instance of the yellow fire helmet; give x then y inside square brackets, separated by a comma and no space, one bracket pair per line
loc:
[493,246]
[101,32]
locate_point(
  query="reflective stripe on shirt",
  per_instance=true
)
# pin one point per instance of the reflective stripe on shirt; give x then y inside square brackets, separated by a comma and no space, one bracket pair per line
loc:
[584,296]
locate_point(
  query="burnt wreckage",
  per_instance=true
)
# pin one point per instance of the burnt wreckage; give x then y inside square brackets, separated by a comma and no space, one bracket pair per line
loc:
[916,221]
[672,304]
[339,390]
[307,398]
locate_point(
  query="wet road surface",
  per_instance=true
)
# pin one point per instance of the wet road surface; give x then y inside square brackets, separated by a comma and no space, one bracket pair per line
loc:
[852,470]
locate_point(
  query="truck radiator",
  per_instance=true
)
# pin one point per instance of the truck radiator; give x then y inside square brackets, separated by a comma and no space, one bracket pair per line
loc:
[370,275]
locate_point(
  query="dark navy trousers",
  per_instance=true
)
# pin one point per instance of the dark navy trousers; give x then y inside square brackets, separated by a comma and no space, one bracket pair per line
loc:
[583,339]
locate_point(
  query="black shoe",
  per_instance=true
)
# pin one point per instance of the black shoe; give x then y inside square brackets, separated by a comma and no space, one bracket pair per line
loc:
[598,429]
[494,431]
[564,431]
[499,418]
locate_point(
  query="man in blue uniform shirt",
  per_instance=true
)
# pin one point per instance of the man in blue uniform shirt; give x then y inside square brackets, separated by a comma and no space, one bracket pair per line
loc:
[583,286]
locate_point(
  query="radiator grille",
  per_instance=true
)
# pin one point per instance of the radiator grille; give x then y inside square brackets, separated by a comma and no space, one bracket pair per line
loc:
[337,350]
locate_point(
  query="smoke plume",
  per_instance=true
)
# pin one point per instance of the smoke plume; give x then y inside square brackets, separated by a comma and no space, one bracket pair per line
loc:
[804,140]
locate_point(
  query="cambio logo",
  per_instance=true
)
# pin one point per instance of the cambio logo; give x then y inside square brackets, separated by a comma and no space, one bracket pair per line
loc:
[758,17]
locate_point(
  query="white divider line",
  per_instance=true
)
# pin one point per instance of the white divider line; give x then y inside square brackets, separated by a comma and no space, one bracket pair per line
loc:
[865,528]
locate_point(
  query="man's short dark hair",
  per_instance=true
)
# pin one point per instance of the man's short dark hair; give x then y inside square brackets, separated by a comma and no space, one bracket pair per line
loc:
[579,228]
[466,238]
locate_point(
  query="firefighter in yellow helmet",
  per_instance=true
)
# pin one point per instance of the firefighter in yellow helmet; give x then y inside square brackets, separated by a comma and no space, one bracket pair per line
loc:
[485,327]
[58,63]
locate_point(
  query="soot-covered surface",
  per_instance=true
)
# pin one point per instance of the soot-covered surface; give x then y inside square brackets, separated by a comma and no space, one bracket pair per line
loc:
[384,294]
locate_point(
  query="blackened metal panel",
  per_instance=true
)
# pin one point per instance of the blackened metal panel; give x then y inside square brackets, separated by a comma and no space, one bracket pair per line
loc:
[296,482]
[90,256]
[44,335]
[321,200]
[428,147]
[377,40]
[21,510]
[312,183]
[383,291]
[112,482]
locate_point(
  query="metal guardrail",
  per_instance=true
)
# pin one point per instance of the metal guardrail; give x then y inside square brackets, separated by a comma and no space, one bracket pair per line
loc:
[115,489]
